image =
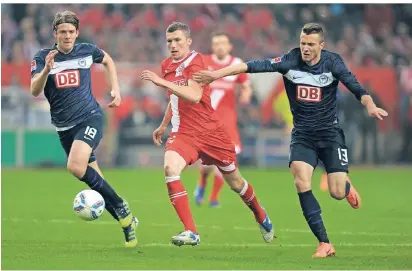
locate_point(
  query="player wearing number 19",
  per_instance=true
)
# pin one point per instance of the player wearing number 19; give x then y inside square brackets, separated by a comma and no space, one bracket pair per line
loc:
[63,72]
[311,76]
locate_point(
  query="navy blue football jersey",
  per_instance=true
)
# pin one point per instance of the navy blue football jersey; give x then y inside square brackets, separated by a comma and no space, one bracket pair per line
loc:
[69,87]
[311,89]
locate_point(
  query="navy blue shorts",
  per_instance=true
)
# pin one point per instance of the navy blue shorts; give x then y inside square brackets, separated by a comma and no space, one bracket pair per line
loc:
[89,131]
[327,145]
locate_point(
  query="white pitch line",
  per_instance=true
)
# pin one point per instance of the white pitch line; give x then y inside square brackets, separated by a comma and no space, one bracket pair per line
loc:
[214,227]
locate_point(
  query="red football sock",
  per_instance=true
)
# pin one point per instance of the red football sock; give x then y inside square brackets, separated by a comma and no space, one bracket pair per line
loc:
[180,201]
[248,196]
[217,186]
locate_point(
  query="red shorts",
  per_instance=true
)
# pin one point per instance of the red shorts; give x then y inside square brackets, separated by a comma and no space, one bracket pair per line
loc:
[215,148]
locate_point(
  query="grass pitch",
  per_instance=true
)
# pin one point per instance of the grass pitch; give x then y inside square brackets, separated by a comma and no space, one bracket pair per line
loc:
[41,231]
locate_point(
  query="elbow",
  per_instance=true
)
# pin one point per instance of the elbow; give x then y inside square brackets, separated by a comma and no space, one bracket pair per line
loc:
[34,92]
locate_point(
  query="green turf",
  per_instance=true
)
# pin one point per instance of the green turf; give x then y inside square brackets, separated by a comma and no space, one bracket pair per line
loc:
[40,230]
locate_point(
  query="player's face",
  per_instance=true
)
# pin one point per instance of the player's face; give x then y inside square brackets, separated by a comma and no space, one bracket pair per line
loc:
[66,34]
[178,44]
[221,46]
[310,47]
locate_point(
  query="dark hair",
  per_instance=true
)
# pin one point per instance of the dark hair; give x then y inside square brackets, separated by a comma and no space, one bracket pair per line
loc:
[218,34]
[313,28]
[179,26]
[64,17]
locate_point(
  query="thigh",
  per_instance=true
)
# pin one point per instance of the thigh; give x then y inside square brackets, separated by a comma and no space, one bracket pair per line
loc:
[303,148]
[218,149]
[90,131]
[333,152]
[80,153]
[302,153]
[184,145]
[67,138]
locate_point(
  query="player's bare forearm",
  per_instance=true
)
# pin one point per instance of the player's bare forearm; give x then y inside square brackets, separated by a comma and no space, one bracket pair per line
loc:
[112,72]
[189,93]
[167,117]
[245,93]
[231,70]
[38,82]
[367,101]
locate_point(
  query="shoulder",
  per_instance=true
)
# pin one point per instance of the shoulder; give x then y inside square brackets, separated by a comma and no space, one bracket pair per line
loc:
[293,55]
[166,62]
[199,58]
[42,53]
[194,59]
[85,47]
[331,56]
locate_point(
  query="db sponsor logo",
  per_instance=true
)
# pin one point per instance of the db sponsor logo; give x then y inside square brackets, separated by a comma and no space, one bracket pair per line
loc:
[308,94]
[67,79]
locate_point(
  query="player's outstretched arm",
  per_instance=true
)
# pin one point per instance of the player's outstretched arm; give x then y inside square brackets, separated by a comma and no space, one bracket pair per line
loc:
[205,77]
[38,81]
[192,92]
[254,66]
[372,109]
[342,73]
[114,83]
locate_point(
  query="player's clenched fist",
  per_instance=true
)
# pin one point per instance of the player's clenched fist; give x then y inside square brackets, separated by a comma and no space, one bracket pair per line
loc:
[157,135]
[204,77]
[151,76]
[49,61]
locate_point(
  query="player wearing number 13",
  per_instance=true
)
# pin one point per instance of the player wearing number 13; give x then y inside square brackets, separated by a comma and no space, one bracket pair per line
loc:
[63,72]
[311,76]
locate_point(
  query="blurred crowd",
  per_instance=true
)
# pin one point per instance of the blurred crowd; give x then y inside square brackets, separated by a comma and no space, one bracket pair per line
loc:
[368,35]
[365,35]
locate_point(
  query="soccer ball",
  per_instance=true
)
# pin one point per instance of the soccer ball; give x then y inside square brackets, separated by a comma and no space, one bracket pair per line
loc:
[88,205]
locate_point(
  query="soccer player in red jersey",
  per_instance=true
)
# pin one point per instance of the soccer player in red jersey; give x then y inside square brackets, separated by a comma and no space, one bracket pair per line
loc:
[223,98]
[196,133]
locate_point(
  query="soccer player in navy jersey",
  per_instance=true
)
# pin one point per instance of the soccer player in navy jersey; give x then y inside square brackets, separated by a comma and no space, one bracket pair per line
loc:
[63,72]
[311,77]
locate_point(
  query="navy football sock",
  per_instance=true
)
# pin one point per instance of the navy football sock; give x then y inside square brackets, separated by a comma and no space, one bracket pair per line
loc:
[312,212]
[347,188]
[109,207]
[97,183]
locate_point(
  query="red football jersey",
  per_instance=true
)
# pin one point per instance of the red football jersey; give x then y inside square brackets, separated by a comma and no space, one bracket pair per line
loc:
[223,94]
[189,118]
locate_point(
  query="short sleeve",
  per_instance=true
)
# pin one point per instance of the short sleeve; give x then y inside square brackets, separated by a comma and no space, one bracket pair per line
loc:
[97,54]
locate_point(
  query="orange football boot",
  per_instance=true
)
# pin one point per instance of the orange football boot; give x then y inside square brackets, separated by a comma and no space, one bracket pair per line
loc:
[353,197]
[324,250]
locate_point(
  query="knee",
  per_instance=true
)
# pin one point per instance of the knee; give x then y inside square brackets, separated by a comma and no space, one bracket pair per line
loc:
[302,182]
[237,184]
[337,192]
[77,169]
[171,169]
[337,187]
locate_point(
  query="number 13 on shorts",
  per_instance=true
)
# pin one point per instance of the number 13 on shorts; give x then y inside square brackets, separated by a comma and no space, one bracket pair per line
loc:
[343,155]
